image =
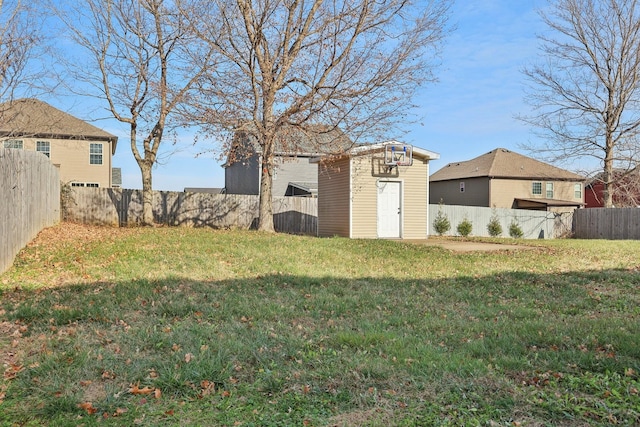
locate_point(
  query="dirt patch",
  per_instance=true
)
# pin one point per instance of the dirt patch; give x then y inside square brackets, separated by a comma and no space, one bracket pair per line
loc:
[470,245]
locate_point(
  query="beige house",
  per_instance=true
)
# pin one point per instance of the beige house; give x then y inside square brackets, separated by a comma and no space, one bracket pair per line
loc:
[81,151]
[360,196]
[504,179]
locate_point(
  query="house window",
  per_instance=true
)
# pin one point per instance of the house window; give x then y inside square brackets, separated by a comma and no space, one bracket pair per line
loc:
[77,184]
[93,184]
[44,147]
[462,187]
[536,188]
[13,143]
[549,190]
[577,191]
[95,154]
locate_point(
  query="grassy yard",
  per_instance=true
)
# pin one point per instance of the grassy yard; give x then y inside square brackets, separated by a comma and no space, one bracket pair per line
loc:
[194,327]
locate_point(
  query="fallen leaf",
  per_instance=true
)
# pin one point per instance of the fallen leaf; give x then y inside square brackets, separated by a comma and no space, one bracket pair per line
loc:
[188,357]
[120,411]
[135,389]
[85,383]
[157,393]
[87,406]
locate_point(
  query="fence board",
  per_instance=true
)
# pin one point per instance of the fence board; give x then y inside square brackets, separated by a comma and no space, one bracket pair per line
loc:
[30,194]
[608,223]
[118,207]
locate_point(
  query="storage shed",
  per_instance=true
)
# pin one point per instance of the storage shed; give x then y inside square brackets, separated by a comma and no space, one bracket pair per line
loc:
[365,194]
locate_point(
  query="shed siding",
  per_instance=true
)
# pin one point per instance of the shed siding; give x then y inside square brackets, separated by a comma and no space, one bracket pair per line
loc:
[415,200]
[364,221]
[333,198]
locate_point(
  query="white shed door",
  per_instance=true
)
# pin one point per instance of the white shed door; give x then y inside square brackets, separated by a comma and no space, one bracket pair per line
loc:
[389,214]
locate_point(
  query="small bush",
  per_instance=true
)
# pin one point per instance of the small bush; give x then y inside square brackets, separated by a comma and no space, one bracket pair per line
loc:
[465,227]
[494,227]
[441,224]
[515,231]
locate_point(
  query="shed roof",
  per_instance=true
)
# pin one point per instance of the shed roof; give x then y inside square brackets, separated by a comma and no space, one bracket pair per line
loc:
[362,149]
[33,118]
[502,163]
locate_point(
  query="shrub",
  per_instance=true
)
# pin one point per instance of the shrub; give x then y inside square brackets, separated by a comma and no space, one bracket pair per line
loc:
[441,224]
[494,227]
[514,230]
[465,227]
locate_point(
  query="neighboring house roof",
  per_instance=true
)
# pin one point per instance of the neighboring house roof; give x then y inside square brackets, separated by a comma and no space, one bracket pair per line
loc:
[502,163]
[547,202]
[310,141]
[309,187]
[34,118]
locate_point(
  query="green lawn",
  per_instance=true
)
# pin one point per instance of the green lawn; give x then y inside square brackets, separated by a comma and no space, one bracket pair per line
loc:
[190,327]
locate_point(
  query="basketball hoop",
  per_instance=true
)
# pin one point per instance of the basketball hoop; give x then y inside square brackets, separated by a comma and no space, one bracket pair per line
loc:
[397,154]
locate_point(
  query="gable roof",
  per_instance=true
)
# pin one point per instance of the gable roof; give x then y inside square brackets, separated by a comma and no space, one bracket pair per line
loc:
[502,163]
[34,118]
[379,146]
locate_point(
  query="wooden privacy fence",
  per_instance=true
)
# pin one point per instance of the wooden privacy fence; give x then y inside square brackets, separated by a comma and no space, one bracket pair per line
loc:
[118,207]
[607,223]
[30,200]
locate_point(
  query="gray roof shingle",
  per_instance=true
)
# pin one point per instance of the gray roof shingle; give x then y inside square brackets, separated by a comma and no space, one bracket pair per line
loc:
[31,117]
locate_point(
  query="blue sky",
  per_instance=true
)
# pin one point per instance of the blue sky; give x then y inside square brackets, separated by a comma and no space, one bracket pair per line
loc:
[469,112]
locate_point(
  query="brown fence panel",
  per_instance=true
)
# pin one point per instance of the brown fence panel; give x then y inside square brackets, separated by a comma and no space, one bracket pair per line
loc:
[118,207]
[30,200]
[607,223]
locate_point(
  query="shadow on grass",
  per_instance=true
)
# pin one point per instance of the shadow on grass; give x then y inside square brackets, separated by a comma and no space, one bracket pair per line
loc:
[295,350]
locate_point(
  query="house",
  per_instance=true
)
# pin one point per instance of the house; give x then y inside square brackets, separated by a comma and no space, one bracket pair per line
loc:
[504,179]
[626,190]
[362,194]
[81,151]
[294,175]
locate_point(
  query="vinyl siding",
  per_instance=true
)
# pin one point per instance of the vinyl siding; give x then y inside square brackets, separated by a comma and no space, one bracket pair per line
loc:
[72,159]
[364,221]
[333,198]
[504,191]
[415,198]
[242,177]
[476,192]
[292,169]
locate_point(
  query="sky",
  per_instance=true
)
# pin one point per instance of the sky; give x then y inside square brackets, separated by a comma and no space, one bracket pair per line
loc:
[470,111]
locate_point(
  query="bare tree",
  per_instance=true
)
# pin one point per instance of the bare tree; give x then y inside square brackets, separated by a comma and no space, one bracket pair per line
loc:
[141,63]
[586,93]
[296,64]
[20,40]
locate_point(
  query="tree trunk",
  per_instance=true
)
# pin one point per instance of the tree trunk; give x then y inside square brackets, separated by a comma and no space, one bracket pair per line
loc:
[265,214]
[147,194]
[607,175]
